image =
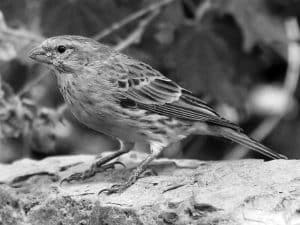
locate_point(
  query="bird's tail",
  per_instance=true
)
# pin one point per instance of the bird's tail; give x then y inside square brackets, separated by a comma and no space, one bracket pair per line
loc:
[246,141]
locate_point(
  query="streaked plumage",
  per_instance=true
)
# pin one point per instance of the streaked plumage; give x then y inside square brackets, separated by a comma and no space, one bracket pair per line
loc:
[128,99]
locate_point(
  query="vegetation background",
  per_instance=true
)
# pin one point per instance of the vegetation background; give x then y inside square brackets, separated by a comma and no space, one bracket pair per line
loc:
[241,56]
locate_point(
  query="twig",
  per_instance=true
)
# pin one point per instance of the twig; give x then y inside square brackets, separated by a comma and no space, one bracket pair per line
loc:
[20,33]
[290,84]
[202,9]
[138,32]
[61,109]
[153,7]
[28,87]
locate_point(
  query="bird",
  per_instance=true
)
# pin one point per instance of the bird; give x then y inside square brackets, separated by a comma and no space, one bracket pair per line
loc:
[127,99]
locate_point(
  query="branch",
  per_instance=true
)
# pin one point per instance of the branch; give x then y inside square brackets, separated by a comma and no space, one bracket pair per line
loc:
[132,17]
[17,33]
[28,86]
[207,193]
[137,34]
[202,9]
[289,85]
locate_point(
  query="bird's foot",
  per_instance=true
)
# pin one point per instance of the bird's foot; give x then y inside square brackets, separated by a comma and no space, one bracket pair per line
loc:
[140,170]
[102,164]
[92,171]
[119,188]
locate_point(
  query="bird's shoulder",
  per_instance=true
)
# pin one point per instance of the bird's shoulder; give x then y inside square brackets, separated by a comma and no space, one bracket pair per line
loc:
[133,68]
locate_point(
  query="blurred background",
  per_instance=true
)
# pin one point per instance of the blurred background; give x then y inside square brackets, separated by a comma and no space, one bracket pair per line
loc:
[241,56]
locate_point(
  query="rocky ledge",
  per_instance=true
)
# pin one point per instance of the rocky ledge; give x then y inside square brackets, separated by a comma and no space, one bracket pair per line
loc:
[184,192]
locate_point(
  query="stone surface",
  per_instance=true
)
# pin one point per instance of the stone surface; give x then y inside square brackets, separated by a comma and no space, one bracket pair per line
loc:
[184,192]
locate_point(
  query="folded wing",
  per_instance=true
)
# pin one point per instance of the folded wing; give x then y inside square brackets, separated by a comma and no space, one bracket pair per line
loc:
[150,90]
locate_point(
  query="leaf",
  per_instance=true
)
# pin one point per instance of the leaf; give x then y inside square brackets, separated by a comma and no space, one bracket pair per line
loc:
[257,23]
[14,116]
[285,8]
[167,22]
[205,63]
[43,133]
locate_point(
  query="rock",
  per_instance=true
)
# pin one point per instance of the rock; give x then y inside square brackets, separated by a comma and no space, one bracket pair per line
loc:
[184,192]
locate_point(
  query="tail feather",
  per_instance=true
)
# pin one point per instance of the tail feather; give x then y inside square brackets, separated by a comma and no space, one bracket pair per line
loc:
[246,141]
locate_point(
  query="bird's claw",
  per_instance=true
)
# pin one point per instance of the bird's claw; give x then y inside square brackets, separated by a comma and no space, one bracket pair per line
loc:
[75,176]
[91,172]
[116,188]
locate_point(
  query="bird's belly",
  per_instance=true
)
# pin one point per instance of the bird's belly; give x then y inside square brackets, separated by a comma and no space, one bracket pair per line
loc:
[131,126]
[98,121]
[107,123]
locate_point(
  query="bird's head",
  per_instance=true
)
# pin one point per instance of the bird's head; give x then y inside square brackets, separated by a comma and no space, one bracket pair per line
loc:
[69,53]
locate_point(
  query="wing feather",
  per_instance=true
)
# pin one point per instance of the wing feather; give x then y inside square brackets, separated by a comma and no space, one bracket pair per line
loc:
[154,92]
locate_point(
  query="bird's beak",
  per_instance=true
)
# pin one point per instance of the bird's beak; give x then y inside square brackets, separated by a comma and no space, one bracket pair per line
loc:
[39,54]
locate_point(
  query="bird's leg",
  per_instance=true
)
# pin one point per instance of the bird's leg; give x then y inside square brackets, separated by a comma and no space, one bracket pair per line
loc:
[101,163]
[140,169]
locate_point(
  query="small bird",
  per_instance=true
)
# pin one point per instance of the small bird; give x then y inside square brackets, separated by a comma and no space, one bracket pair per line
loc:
[119,96]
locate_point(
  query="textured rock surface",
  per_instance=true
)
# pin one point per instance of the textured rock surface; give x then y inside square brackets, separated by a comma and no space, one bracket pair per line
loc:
[185,192]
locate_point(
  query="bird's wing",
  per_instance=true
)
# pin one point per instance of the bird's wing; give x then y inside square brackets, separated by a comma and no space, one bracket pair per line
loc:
[152,91]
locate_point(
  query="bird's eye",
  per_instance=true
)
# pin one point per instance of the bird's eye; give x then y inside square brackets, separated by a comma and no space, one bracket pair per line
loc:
[61,49]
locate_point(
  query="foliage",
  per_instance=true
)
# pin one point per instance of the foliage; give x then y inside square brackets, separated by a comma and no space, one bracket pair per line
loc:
[222,50]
